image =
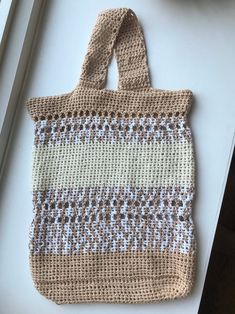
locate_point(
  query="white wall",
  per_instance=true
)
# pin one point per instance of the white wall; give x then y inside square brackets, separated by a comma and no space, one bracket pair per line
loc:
[190,45]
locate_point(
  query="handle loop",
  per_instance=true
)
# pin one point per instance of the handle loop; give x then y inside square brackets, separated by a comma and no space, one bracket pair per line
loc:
[118,30]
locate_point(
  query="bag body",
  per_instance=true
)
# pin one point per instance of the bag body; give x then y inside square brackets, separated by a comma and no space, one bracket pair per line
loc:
[113,180]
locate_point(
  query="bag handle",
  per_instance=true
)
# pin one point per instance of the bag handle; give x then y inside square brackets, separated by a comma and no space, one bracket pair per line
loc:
[118,30]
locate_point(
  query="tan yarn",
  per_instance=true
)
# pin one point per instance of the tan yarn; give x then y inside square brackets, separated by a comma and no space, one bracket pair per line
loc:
[113,180]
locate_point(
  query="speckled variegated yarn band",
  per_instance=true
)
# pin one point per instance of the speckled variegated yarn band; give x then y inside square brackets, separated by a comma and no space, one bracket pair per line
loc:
[113,180]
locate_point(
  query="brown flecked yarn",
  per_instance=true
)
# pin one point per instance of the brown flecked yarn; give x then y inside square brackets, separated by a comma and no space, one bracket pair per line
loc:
[113,180]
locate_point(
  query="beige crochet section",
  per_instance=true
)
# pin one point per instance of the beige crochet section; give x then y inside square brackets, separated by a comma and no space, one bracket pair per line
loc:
[126,277]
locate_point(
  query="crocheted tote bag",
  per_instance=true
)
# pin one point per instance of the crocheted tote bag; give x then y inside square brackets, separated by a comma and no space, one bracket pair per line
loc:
[113,180]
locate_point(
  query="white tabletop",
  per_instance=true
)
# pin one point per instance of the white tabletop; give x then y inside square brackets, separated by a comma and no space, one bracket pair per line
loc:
[190,45]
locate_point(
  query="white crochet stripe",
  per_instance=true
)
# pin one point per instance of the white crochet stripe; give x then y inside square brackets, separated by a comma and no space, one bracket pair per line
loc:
[102,237]
[112,130]
[145,219]
[119,164]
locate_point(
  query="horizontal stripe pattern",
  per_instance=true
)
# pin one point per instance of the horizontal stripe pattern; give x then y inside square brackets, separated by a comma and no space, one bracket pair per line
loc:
[109,236]
[106,129]
[175,199]
[113,182]
[112,219]
[107,164]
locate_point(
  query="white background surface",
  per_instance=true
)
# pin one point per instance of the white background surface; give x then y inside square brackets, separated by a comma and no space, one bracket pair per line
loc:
[191,45]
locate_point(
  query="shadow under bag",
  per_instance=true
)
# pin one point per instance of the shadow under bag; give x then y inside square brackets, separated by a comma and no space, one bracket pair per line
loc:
[113,180]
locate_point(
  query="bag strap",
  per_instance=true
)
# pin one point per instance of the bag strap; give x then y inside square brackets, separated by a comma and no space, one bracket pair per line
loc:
[118,30]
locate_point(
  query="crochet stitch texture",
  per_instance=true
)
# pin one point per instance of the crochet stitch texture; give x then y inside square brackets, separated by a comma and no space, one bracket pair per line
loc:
[113,180]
